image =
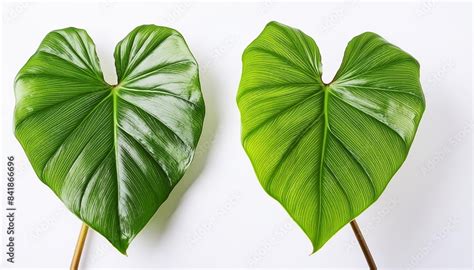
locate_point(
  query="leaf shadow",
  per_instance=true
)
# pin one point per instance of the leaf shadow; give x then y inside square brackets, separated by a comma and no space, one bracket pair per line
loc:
[158,224]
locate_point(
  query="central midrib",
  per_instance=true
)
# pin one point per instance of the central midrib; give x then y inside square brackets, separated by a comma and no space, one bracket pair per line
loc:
[326,90]
[114,92]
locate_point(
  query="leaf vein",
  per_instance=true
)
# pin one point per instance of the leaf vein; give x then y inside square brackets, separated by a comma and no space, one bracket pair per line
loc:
[159,68]
[358,162]
[371,116]
[278,114]
[285,60]
[72,131]
[341,187]
[159,121]
[151,156]
[159,92]
[291,147]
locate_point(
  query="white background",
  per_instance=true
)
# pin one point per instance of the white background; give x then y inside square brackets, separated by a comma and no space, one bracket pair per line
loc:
[219,216]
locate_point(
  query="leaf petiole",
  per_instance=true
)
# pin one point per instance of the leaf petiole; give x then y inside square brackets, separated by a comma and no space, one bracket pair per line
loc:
[363,245]
[79,247]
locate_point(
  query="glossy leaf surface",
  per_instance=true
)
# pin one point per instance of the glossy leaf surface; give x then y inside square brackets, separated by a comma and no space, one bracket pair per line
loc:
[326,151]
[112,154]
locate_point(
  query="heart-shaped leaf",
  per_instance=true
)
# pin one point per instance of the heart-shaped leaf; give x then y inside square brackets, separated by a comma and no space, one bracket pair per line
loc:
[111,153]
[326,151]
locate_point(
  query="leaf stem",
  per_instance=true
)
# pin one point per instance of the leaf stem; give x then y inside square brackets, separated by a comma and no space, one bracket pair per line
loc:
[79,247]
[363,245]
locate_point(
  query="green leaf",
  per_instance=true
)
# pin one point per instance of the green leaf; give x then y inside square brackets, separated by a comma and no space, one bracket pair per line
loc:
[326,151]
[111,153]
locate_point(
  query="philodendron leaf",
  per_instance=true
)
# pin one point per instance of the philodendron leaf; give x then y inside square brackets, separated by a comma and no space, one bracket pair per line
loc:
[111,153]
[326,151]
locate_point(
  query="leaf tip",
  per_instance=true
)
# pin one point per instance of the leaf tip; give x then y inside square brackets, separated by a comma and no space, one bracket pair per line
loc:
[122,246]
[270,23]
[316,247]
[275,24]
